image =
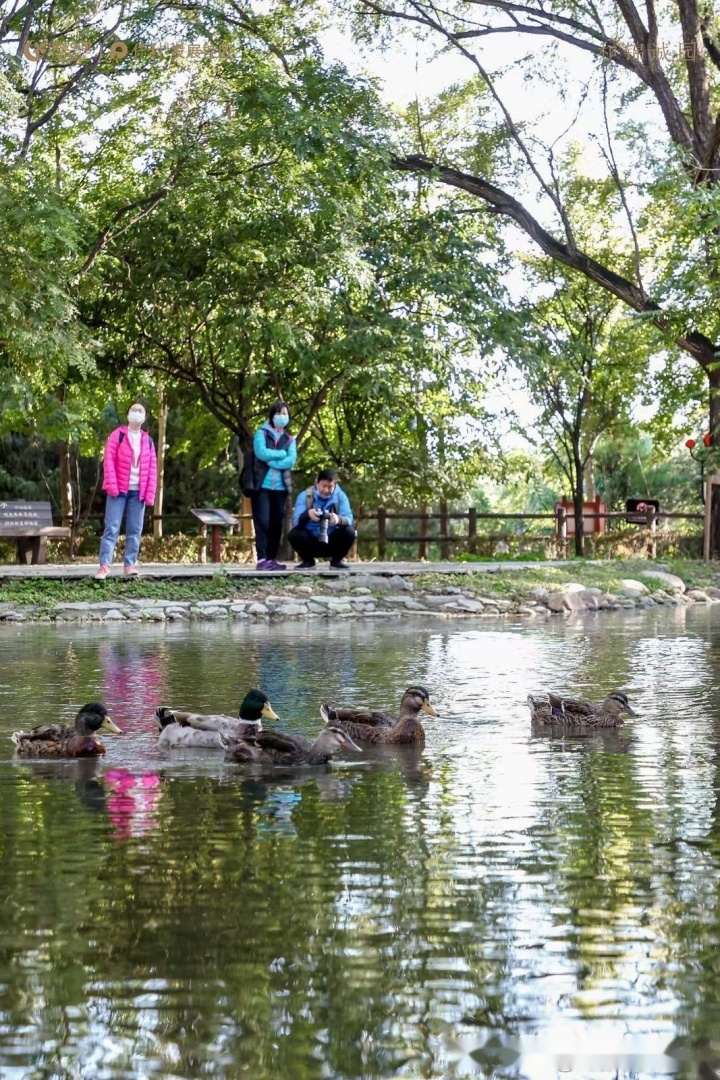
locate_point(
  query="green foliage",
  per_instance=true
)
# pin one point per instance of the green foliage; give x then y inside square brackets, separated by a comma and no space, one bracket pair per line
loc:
[229,228]
[633,468]
[41,338]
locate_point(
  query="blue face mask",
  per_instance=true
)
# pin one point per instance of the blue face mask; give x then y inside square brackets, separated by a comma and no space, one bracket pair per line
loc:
[281,419]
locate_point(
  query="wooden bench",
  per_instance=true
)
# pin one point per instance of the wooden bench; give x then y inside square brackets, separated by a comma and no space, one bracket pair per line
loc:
[31,524]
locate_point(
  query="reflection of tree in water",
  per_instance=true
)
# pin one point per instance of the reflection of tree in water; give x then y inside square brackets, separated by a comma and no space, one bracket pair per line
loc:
[269,942]
[347,931]
[591,849]
[687,907]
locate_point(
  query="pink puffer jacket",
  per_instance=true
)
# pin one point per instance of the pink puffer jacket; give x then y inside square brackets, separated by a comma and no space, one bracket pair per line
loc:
[117,462]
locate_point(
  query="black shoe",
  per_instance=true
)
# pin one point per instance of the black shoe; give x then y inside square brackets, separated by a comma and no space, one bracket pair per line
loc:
[338,564]
[306,564]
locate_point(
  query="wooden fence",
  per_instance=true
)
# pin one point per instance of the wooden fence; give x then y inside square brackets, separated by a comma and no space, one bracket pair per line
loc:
[444,539]
[468,540]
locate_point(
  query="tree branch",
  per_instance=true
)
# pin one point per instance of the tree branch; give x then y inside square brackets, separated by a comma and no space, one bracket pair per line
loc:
[596,41]
[145,207]
[696,344]
[697,72]
[615,173]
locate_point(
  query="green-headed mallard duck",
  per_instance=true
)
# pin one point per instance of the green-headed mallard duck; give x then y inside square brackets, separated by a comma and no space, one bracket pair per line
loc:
[404,731]
[272,748]
[63,741]
[203,730]
[556,710]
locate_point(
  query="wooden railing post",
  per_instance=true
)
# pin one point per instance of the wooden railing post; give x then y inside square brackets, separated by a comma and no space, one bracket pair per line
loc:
[561,531]
[444,546]
[472,530]
[382,531]
[652,527]
[422,533]
[353,554]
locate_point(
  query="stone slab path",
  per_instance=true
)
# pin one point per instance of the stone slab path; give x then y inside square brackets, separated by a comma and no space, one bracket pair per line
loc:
[189,571]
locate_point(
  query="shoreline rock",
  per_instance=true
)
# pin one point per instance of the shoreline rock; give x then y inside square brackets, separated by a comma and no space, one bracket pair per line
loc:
[374,598]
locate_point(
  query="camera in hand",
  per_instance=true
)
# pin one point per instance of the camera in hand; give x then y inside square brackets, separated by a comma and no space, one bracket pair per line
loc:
[323,522]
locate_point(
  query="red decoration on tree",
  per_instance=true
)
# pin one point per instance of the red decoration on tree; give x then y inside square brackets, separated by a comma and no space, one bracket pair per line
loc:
[690,444]
[708,439]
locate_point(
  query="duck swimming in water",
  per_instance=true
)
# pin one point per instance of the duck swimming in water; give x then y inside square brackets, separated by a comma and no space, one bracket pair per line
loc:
[180,729]
[273,748]
[573,712]
[405,730]
[64,741]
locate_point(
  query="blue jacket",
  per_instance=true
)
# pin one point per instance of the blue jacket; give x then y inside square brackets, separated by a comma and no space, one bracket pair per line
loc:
[278,461]
[337,502]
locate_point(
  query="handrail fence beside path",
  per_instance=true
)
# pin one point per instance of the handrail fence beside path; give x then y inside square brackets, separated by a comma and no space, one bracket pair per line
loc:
[559,517]
[384,536]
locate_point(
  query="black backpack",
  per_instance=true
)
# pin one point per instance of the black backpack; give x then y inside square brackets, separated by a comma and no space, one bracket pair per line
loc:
[251,477]
[247,474]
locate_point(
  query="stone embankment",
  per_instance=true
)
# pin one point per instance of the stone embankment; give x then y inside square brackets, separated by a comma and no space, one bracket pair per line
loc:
[369,596]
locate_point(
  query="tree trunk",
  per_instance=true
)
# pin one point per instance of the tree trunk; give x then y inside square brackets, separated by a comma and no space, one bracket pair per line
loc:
[161,444]
[66,490]
[578,501]
[712,544]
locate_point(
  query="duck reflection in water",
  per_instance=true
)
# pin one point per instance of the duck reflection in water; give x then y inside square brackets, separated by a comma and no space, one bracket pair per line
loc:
[84,774]
[272,800]
[566,739]
[409,761]
[129,799]
[330,786]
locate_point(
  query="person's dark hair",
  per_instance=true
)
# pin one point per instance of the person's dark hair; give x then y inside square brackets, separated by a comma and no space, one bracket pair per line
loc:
[278,406]
[326,474]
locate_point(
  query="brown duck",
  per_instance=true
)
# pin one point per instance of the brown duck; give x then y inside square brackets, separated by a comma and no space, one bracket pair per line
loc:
[63,741]
[552,709]
[271,748]
[406,730]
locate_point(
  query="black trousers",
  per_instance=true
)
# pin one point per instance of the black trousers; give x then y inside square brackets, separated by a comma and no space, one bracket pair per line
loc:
[307,545]
[268,511]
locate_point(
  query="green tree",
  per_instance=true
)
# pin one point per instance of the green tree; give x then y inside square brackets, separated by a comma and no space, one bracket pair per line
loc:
[288,261]
[581,361]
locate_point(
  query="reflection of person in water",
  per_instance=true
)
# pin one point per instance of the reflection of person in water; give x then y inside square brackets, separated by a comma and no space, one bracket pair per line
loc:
[133,681]
[129,799]
[133,801]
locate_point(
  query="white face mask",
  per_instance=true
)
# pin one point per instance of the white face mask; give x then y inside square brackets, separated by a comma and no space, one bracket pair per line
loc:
[136,417]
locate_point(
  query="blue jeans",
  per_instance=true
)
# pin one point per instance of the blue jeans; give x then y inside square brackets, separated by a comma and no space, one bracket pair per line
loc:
[130,505]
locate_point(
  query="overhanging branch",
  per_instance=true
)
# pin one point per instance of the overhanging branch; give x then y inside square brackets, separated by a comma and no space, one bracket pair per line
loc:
[696,344]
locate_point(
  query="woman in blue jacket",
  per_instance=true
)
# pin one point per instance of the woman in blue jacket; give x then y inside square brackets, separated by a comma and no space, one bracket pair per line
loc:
[275,453]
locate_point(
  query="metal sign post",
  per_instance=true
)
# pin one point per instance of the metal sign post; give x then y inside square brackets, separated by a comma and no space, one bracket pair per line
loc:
[217,519]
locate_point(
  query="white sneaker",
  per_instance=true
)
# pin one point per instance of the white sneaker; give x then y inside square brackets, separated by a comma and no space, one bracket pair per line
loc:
[102,572]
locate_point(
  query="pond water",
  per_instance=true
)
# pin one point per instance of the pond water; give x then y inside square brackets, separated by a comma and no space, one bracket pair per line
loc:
[502,904]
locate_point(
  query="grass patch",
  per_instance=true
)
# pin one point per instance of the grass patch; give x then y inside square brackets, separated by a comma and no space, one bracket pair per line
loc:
[47,592]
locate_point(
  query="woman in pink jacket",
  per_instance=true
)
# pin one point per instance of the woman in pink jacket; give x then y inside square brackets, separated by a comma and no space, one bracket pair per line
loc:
[130,479]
